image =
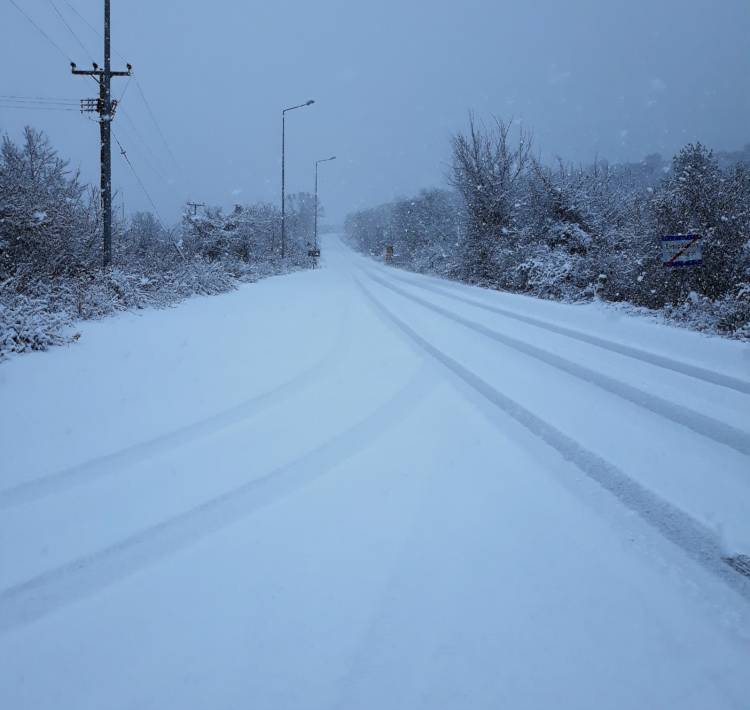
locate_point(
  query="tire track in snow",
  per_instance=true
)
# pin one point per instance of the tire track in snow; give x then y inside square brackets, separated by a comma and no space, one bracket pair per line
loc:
[702,424]
[694,538]
[667,363]
[109,464]
[28,601]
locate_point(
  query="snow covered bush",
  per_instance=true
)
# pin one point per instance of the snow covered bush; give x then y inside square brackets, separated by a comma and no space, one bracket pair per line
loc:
[488,170]
[698,197]
[50,250]
[424,231]
[27,324]
[578,232]
[47,218]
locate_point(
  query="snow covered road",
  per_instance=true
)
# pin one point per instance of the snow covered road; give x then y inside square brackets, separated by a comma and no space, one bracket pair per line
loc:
[361,488]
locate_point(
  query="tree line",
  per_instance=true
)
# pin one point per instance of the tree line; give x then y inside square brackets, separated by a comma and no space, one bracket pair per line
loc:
[51,250]
[578,232]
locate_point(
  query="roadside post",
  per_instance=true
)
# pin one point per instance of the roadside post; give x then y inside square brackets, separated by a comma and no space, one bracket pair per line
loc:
[314,254]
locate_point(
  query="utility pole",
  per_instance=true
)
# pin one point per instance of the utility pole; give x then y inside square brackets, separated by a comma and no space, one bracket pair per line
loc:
[318,162]
[105,107]
[195,206]
[283,172]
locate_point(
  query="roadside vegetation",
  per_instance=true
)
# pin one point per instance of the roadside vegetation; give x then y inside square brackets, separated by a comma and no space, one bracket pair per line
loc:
[51,251]
[578,232]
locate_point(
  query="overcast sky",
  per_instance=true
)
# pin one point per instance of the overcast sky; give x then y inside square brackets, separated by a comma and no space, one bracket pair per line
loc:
[393,79]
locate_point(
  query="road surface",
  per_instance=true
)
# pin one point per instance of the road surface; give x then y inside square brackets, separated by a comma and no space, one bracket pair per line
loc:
[359,488]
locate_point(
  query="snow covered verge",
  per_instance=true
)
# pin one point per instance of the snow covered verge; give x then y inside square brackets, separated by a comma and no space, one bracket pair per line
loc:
[580,233]
[45,311]
[728,317]
[51,253]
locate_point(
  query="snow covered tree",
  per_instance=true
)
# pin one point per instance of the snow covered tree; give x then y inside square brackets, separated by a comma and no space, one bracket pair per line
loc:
[50,249]
[300,223]
[578,232]
[45,224]
[144,234]
[487,169]
[699,198]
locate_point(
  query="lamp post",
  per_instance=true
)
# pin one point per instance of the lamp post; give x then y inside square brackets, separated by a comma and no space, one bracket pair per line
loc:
[283,172]
[318,162]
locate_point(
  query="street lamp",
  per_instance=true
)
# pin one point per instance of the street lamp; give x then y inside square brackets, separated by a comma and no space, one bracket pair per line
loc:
[318,162]
[283,172]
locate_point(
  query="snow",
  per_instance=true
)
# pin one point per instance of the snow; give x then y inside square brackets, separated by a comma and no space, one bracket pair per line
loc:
[360,488]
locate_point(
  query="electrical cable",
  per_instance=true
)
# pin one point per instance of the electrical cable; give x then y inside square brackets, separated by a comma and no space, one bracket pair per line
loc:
[144,144]
[72,32]
[41,31]
[145,152]
[156,123]
[125,90]
[40,99]
[36,108]
[91,27]
[124,154]
[148,197]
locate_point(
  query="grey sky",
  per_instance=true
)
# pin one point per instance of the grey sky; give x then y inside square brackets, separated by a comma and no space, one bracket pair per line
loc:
[392,80]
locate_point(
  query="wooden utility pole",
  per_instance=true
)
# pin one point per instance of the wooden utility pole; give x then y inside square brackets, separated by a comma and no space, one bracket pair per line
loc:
[195,206]
[105,107]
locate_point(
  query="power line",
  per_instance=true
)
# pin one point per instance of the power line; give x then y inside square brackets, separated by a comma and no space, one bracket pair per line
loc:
[145,145]
[38,104]
[91,27]
[124,154]
[125,90]
[40,100]
[36,107]
[72,32]
[148,197]
[153,166]
[156,123]
[41,31]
